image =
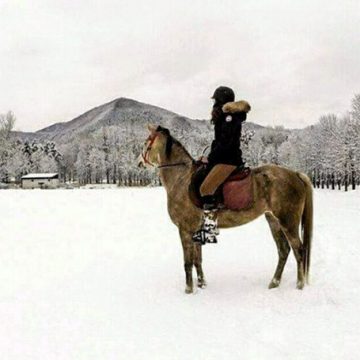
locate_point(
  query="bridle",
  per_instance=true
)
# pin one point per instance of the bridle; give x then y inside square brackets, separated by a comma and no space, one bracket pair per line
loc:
[145,155]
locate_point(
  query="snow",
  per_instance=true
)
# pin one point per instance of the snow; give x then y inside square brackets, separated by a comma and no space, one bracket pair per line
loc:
[98,274]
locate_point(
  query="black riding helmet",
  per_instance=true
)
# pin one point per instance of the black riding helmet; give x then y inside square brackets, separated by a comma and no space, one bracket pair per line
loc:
[223,95]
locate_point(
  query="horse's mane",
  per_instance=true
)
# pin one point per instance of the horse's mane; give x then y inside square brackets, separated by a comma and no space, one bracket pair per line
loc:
[170,141]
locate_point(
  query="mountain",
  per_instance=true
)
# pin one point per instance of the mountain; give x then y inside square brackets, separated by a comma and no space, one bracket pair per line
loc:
[108,139]
[130,116]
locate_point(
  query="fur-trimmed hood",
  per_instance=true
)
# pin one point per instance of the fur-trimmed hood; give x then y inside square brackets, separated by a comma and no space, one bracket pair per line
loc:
[236,106]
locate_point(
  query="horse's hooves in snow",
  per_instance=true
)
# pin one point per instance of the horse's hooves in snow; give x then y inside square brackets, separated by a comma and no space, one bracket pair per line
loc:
[188,290]
[201,284]
[274,283]
[300,285]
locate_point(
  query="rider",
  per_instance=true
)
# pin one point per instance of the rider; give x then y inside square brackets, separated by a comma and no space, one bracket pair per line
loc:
[225,155]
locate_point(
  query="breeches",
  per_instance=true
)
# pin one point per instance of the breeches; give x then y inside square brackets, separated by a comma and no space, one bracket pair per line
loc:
[217,175]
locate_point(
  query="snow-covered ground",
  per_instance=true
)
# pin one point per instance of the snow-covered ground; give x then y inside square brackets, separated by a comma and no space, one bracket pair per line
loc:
[98,274]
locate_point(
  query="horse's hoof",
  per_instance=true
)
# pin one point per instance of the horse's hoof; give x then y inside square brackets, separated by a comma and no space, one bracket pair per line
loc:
[201,284]
[300,285]
[274,283]
[188,290]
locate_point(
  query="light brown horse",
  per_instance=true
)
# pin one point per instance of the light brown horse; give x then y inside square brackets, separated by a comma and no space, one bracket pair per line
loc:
[284,196]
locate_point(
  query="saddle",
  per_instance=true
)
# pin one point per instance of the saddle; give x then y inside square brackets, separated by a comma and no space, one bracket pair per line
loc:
[235,193]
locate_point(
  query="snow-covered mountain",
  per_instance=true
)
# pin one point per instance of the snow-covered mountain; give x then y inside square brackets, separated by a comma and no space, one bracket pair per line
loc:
[129,116]
[106,140]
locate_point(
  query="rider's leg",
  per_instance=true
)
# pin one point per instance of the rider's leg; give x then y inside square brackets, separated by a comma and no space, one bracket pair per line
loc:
[210,214]
[218,174]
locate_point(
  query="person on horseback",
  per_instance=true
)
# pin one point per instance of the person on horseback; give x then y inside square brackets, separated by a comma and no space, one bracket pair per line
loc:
[225,156]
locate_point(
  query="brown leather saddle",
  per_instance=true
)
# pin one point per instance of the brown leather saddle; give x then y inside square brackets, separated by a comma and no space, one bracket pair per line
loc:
[235,193]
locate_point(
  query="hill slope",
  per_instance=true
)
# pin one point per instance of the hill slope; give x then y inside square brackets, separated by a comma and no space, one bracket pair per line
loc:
[129,115]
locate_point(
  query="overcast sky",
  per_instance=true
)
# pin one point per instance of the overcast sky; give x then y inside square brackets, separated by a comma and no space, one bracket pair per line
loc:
[292,60]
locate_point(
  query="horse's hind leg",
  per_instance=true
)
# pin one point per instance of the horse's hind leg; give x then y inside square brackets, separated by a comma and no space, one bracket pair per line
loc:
[201,283]
[282,247]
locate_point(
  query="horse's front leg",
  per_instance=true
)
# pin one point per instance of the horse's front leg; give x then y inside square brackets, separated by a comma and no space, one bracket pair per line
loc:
[189,257]
[201,283]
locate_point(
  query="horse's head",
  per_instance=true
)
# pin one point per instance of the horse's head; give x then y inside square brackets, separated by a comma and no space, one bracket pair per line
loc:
[157,146]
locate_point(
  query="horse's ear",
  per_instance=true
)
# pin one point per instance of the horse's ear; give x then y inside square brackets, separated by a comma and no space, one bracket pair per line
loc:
[152,128]
[165,131]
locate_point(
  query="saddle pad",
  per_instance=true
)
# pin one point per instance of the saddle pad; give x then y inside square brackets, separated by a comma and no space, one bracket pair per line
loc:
[238,194]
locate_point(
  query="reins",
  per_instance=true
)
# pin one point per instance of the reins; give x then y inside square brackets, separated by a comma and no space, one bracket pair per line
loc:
[170,165]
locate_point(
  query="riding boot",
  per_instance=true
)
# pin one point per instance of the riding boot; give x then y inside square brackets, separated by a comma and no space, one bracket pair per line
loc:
[209,230]
[210,221]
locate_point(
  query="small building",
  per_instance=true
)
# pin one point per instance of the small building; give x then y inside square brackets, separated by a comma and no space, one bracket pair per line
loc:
[40,181]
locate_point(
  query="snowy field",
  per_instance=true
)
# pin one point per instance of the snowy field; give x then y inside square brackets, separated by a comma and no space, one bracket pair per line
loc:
[98,274]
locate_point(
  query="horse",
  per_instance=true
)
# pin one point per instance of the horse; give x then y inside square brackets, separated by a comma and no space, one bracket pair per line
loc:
[284,196]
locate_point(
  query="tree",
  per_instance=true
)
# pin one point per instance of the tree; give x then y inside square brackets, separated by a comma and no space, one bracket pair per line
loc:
[7,122]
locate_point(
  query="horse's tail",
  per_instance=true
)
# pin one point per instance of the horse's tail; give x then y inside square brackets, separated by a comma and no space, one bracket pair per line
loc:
[307,225]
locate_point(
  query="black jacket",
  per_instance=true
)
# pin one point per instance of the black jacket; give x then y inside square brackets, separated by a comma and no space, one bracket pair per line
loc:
[225,149]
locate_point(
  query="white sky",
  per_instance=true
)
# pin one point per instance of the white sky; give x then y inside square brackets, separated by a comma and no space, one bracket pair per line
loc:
[292,60]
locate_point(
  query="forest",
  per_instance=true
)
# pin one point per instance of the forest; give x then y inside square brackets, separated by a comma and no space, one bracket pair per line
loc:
[328,152]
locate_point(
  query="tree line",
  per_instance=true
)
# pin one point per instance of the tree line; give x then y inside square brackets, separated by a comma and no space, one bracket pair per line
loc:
[328,152]
[18,158]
